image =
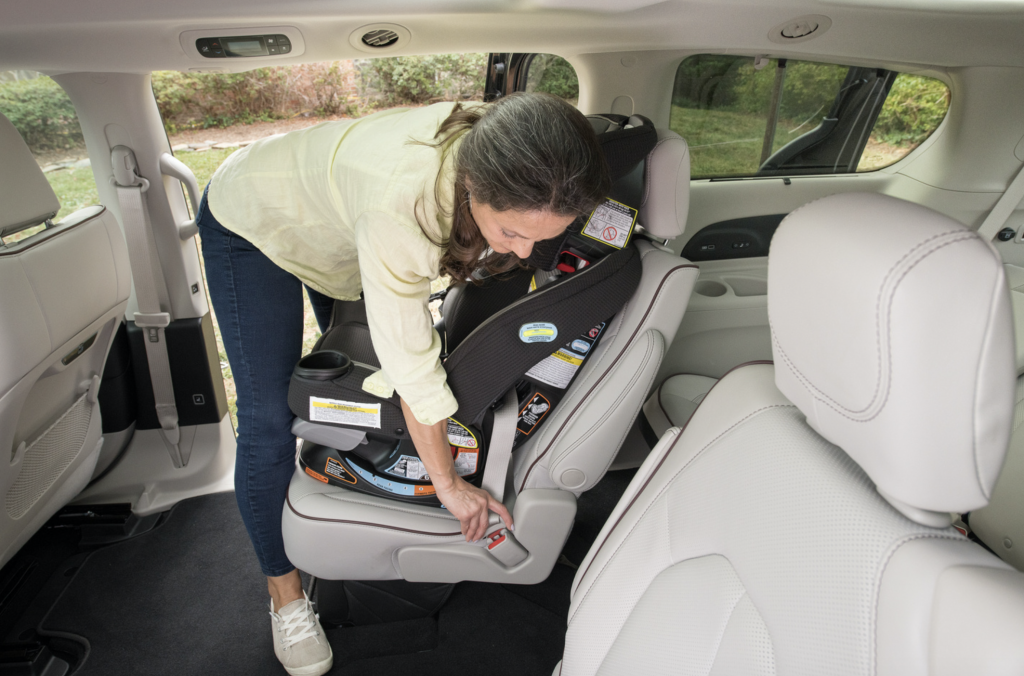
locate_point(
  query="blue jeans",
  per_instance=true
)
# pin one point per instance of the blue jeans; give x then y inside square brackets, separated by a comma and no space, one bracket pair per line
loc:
[259,310]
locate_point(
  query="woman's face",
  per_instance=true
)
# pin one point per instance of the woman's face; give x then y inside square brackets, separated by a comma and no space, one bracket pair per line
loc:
[517,231]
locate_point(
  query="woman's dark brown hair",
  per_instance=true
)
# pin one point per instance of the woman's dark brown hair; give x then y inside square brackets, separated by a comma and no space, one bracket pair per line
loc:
[524,152]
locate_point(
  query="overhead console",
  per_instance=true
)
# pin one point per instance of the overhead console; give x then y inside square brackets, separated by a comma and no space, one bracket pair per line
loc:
[265,42]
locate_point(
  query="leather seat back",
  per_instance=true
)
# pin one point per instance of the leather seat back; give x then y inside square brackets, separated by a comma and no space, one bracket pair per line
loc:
[576,446]
[65,293]
[793,527]
[1000,524]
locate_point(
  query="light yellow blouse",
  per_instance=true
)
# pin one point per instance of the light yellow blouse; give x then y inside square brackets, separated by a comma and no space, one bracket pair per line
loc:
[335,206]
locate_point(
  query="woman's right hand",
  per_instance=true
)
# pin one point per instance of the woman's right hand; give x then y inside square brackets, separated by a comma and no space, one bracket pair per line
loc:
[471,506]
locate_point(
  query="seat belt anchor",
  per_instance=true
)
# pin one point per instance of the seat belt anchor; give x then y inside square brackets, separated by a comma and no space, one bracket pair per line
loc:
[126,169]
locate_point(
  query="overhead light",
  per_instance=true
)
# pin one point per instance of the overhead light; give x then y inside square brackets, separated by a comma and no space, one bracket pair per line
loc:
[379,38]
[800,29]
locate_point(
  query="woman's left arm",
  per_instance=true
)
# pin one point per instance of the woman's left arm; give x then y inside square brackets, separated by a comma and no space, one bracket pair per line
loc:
[396,263]
[469,504]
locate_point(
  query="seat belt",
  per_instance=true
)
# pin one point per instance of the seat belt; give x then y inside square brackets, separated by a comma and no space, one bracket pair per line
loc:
[1004,207]
[139,235]
[499,452]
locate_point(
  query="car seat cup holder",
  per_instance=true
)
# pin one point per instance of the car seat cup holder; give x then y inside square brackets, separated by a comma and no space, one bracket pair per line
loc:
[323,365]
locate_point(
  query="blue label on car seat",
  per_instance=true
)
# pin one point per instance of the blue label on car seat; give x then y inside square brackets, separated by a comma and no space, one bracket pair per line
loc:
[581,346]
[538,332]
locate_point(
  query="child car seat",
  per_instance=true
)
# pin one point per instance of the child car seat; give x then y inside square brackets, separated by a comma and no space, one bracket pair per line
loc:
[527,332]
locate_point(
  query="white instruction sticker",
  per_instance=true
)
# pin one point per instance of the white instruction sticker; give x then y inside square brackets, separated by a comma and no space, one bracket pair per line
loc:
[344,412]
[557,369]
[409,467]
[611,223]
[465,462]
[459,436]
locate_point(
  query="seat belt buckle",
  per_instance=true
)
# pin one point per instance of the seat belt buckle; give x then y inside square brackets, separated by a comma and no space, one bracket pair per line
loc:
[503,546]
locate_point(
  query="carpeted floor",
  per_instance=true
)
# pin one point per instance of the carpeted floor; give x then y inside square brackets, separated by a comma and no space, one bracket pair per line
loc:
[186,598]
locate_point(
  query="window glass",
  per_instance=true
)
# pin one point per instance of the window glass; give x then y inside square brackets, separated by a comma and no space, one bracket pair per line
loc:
[552,74]
[210,116]
[42,112]
[737,113]
[914,109]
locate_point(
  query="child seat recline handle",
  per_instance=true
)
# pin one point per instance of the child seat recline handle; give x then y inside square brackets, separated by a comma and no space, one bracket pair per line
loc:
[323,365]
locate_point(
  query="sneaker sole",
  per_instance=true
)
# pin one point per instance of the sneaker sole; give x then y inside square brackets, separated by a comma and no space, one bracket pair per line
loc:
[317,669]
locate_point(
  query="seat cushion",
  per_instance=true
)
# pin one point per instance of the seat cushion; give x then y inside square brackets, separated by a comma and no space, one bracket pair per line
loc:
[749,544]
[675,401]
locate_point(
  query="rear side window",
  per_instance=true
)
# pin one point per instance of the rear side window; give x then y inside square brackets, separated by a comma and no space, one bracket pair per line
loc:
[748,117]
[551,74]
[43,114]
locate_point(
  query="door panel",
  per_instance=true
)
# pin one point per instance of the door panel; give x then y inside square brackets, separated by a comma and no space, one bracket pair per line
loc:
[726,322]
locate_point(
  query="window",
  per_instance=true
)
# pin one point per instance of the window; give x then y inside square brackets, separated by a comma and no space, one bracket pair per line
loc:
[914,109]
[747,117]
[43,114]
[210,116]
[552,74]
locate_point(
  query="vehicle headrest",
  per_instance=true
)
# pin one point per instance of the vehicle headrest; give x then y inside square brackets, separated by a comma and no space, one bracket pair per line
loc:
[625,141]
[892,333]
[666,200]
[25,194]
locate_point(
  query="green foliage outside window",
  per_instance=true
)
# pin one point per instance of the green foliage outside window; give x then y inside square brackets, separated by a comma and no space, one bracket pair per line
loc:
[553,75]
[42,112]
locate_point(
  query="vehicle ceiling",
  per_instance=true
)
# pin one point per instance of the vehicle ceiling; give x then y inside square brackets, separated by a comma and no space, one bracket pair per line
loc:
[133,36]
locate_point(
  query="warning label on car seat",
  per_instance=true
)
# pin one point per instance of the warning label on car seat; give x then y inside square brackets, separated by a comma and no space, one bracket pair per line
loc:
[338,471]
[611,223]
[556,370]
[532,414]
[465,462]
[409,467]
[459,436]
[344,412]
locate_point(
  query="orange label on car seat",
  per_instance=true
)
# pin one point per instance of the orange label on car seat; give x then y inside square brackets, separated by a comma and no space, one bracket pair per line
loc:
[338,471]
[318,477]
[425,490]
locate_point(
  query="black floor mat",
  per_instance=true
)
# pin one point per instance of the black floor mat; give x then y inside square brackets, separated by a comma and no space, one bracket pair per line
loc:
[188,598]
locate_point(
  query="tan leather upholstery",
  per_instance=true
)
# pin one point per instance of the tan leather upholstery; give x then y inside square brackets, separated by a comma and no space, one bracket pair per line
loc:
[65,290]
[382,539]
[749,543]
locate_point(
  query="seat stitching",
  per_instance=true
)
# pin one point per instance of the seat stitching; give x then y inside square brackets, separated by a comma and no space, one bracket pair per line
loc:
[339,498]
[375,526]
[636,413]
[824,398]
[643,320]
[664,488]
[590,432]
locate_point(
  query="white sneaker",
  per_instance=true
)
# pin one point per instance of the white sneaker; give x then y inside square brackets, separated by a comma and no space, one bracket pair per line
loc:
[299,640]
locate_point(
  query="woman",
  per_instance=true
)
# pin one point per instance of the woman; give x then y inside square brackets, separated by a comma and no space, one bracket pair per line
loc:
[381,206]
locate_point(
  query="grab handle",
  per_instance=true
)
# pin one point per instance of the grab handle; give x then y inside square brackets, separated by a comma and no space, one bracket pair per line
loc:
[175,168]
